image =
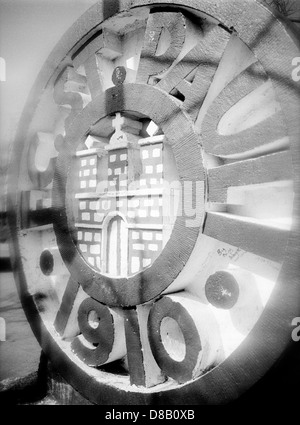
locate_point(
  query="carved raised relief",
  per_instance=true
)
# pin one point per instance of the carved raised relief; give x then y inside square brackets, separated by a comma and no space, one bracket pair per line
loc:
[155,234]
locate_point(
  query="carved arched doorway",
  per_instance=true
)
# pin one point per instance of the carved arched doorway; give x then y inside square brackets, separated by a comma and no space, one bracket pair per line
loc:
[115,256]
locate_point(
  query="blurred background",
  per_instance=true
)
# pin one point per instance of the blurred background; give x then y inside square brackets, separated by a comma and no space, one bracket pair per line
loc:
[29,30]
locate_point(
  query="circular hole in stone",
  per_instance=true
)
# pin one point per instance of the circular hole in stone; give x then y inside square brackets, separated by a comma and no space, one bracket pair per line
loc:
[173,339]
[46,262]
[119,75]
[222,290]
[93,319]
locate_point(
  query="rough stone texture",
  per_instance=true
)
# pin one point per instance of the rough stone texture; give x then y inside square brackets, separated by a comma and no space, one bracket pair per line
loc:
[275,167]
[247,235]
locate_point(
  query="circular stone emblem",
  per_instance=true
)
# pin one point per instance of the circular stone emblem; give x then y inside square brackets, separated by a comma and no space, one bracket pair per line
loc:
[154,201]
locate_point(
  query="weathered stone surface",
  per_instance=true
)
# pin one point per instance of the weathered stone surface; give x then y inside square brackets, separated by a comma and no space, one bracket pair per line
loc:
[204,122]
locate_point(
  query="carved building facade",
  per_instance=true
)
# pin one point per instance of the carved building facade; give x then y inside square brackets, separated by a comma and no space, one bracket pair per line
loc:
[120,227]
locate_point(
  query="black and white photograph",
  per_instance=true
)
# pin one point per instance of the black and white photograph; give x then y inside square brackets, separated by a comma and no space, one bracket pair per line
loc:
[150,205]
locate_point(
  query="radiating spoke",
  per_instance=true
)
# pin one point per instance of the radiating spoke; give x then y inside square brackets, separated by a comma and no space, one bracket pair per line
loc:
[249,235]
[270,168]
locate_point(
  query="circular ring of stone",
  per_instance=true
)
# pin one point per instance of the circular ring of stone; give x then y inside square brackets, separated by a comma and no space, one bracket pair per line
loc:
[179,131]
